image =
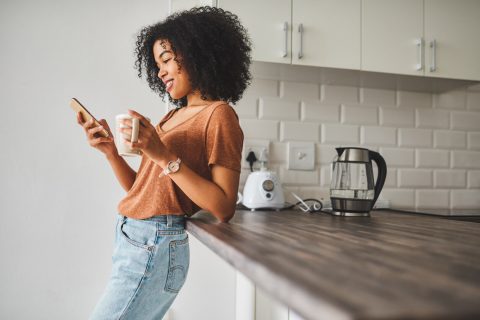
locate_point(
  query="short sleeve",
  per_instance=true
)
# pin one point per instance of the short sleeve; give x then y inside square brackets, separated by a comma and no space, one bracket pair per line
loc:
[224,138]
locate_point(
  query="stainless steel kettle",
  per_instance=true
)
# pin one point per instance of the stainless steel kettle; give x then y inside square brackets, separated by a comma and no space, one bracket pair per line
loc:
[352,190]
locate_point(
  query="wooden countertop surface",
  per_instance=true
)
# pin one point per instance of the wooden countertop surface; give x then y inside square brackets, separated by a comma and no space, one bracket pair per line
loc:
[388,266]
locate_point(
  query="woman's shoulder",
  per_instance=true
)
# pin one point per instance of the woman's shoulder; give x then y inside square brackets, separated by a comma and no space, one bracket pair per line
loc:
[222,110]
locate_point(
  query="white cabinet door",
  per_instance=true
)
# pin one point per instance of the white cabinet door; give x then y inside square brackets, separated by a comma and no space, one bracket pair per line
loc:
[331,33]
[268,24]
[455,28]
[392,31]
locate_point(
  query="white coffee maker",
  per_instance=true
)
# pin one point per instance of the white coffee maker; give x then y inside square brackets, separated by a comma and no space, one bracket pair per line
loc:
[263,189]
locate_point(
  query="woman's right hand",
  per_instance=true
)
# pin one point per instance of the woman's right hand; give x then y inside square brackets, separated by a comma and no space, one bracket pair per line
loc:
[105,145]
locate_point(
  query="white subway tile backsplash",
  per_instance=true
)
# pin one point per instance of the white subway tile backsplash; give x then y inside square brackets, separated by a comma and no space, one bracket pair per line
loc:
[473,100]
[395,117]
[316,111]
[465,120]
[466,159]
[303,90]
[278,152]
[391,179]
[449,139]
[325,176]
[247,107]
[432,158]
[431,142]
[259,129]
[378,136]
[432,199]
[320,193]
[342,134]
[415,178]
[415,138]
[325,153]
[398,157]
[345,94]
[474,140]
[452,99]
[378,97]
[298,177]
[355,114]
[414,99]
[474,179]
[465,199]
[279,109]
[399,198]
[303,131]
[449,178]
[263,88]
[430,118]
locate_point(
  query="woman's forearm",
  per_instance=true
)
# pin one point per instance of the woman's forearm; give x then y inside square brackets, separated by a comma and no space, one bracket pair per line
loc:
[124,173]
[207,194]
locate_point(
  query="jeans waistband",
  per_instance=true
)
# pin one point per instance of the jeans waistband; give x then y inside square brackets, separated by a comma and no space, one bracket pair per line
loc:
[168,220]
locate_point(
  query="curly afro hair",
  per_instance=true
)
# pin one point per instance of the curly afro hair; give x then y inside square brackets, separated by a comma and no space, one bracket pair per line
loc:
[214,49]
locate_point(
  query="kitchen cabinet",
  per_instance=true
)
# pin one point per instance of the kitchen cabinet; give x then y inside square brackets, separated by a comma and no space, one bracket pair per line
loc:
[326,33]
[392,36]
[452,39]
[304,32]
[269,26]
[435,38]
[390,265]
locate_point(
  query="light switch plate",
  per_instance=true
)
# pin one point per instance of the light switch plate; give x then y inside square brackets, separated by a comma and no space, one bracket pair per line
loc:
[301,156]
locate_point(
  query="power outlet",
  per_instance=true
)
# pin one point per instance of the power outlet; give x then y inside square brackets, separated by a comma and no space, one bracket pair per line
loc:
[256,146]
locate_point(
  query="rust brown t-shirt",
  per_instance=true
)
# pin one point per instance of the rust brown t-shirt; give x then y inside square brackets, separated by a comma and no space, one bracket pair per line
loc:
[211,136]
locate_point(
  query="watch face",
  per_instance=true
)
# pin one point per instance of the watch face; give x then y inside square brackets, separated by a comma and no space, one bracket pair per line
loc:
[173,166]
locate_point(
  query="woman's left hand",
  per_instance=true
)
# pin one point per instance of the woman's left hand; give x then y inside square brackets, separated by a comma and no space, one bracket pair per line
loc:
[148,140]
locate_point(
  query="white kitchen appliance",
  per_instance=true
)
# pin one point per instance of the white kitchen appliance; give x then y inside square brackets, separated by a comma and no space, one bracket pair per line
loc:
[263,188]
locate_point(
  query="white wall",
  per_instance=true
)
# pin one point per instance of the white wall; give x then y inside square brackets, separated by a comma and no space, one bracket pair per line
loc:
[429,138]
[58,195]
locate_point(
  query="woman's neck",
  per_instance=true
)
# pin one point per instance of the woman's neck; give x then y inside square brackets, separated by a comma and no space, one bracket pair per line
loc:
[194,99]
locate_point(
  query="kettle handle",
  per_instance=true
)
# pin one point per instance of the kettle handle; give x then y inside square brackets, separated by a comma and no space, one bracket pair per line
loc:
[382,173]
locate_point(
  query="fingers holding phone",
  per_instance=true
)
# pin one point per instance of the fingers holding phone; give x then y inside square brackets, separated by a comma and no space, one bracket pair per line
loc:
[93,132]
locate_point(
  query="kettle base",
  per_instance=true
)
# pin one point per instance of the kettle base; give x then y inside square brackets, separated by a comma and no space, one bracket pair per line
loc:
[350,214]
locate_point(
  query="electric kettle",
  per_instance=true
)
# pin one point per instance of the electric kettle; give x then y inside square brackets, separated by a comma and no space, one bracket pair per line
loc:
[352,190]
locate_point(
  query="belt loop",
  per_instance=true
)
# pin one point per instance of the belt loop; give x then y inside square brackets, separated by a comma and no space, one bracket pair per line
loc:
[169,221]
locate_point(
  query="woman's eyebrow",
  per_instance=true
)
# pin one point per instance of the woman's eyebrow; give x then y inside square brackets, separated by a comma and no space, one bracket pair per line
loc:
[161,54]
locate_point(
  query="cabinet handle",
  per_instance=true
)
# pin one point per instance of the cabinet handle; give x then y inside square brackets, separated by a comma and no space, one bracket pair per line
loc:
[300,30]
[420,60]
[433,46]
[285,28]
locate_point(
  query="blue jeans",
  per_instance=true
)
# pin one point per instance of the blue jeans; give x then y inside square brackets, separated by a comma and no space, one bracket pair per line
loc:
[149,266]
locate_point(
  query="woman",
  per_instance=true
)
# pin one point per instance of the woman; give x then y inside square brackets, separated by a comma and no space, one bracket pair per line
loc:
[190,160]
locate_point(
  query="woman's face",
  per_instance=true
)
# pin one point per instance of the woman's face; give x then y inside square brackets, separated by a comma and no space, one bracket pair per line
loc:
[175,78]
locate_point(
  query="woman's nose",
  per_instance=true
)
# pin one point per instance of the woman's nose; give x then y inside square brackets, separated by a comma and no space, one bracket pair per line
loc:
[161,73]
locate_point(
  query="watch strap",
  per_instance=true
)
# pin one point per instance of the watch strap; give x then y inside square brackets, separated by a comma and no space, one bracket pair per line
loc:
[167,169]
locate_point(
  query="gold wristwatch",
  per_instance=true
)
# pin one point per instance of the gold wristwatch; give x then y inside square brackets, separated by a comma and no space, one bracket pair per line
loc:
[172,167]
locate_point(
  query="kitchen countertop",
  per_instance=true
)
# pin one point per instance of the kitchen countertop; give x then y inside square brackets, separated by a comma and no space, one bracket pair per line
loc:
[387,266]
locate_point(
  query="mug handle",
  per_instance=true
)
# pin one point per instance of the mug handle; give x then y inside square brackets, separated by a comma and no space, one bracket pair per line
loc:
[135,125]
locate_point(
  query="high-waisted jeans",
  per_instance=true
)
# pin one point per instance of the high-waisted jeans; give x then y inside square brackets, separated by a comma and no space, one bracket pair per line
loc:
[149,266]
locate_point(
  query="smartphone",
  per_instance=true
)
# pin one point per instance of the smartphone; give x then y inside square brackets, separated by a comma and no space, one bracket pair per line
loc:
[86,115]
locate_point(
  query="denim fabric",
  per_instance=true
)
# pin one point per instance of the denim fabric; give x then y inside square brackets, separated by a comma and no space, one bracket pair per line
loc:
[149,266]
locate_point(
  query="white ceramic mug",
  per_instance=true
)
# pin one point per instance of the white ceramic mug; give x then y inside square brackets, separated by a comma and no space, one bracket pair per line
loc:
[123,147]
